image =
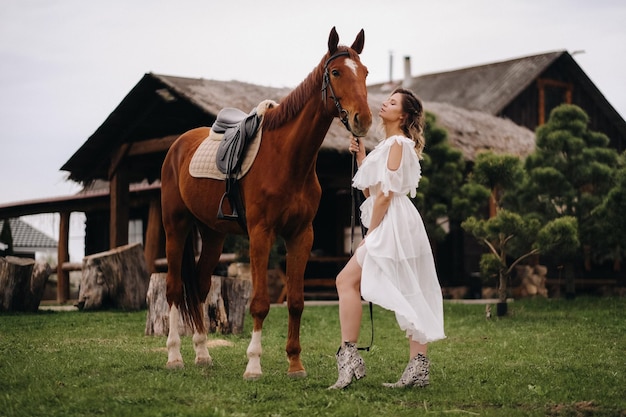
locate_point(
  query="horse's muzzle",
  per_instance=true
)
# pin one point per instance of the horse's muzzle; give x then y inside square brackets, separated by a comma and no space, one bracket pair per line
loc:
[361,123]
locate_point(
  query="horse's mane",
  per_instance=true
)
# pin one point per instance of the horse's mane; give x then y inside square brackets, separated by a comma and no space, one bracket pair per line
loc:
[295,101]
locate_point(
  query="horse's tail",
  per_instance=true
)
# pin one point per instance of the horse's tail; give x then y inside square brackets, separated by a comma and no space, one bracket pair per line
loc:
[191,306]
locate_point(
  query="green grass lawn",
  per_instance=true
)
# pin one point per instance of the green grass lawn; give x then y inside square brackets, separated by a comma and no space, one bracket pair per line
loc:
[548,357]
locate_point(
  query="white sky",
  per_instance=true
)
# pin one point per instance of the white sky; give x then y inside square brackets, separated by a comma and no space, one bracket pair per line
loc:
[66,64]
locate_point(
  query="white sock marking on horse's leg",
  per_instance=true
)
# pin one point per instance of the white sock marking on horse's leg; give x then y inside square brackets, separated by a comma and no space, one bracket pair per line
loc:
[202,352]
[174,358]
[253,369]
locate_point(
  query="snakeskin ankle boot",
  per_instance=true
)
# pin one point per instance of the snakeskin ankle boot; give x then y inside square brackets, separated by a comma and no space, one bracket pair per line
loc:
[349,364]
[415,373]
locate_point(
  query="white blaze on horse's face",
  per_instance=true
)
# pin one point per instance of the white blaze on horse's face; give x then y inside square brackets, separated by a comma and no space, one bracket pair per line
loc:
[350,63]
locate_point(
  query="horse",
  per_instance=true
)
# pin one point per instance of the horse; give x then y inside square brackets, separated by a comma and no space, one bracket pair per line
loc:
[281,195]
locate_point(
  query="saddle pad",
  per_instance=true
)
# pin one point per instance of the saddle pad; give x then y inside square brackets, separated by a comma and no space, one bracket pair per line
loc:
[203,162]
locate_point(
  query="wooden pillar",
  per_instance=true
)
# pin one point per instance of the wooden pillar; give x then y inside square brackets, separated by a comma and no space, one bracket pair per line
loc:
[154,231]
[120,199]
[63,277]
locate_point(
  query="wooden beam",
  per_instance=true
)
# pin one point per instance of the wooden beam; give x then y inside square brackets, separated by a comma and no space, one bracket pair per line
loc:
[63,277]
[152,145]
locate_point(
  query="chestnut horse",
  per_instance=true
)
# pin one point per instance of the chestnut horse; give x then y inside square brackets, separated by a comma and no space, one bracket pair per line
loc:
[280,192]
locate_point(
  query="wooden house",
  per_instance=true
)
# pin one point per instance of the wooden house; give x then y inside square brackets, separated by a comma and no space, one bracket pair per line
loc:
[523,90]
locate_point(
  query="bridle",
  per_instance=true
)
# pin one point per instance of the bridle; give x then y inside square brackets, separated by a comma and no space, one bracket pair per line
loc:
[343,113]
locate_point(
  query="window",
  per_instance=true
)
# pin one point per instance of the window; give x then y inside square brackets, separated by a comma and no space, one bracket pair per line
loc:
[135,231]
[552,93]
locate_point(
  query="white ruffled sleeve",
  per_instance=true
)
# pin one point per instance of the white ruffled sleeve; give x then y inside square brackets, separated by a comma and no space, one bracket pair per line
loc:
[374,169]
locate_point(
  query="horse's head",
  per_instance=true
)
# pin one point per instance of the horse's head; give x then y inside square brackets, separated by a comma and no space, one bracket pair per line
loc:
[344,82]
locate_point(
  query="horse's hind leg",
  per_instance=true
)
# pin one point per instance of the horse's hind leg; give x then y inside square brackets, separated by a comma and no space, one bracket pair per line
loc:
[174,249]
[174,358]
[177,225]
[212,243]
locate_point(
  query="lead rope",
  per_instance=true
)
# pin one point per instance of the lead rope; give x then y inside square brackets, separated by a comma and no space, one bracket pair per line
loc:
[353,197]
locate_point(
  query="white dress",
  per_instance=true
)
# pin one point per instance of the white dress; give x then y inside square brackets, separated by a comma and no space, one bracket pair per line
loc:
[398,267]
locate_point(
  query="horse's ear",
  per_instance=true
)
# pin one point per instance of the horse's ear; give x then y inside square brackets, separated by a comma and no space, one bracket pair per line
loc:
[333,41]
[358,42]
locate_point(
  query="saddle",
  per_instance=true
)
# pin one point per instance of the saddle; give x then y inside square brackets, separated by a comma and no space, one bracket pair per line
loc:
[239,128]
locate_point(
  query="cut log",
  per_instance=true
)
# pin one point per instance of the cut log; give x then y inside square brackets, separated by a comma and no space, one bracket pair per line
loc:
[22,283]
[116,278]
[224,310]
[215,315]
[236,293]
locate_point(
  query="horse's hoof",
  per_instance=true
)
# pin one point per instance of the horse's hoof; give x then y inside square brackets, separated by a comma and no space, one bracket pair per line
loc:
[206,362]
[175,365]
[251,377]
[297,374]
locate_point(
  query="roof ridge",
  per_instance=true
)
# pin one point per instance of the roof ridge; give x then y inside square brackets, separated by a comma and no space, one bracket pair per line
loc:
[555,54]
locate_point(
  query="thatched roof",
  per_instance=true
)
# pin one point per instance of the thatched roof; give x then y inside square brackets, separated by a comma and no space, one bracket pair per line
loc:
[212,96]
[473,131]
[469,131]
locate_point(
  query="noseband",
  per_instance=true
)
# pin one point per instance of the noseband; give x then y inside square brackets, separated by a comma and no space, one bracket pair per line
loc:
[343,113]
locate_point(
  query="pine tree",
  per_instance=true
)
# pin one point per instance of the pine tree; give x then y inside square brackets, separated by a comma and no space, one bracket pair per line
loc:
[569,173]
[511,237]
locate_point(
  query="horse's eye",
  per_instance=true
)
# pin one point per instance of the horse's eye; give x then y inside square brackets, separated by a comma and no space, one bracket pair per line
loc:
[335,73]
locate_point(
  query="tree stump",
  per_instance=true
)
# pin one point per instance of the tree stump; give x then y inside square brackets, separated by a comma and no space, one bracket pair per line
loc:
[115,278]
[224,308]
[22,283]
[236,293]
[215,315]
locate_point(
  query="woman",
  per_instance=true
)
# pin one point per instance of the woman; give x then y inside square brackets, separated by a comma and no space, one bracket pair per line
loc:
[393,266]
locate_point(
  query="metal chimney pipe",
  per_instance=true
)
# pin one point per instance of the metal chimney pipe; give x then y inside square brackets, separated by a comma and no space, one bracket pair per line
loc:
[406,82]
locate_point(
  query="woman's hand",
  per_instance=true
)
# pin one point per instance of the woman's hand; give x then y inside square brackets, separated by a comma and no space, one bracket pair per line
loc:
[358,148]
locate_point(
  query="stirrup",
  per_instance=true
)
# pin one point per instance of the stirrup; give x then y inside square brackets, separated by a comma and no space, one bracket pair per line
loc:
[220,212]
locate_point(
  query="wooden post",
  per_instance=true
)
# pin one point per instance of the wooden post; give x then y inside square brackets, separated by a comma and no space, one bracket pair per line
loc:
[120,200]
[63,277]
[154,232]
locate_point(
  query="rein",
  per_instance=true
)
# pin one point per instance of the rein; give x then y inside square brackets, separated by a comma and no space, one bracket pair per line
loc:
[353,198]
[343,114]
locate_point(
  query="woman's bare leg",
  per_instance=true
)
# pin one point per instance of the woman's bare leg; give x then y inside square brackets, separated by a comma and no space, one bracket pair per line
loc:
[415,348]
[350,307]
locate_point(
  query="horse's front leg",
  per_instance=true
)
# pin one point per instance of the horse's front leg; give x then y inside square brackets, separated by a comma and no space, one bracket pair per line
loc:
[260,244]
[298,250]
